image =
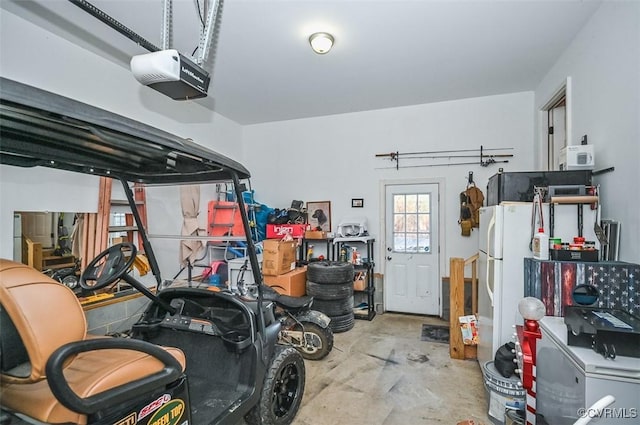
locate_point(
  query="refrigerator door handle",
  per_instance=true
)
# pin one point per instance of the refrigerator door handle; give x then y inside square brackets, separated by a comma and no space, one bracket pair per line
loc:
[489,291]
[490,227]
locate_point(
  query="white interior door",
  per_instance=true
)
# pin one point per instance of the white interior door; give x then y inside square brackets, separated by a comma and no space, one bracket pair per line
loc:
[38,226]
[412,283]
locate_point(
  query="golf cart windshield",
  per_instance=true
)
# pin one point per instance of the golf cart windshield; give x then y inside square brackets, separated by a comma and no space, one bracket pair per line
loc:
[39,128]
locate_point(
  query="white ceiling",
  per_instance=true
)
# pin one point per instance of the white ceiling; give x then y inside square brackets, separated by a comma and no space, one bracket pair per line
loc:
[386,54]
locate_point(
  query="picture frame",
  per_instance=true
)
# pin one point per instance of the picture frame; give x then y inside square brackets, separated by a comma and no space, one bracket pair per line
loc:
[319,215]
[357,203]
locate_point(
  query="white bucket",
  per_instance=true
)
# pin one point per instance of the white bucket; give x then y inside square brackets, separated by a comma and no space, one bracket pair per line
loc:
[502,393]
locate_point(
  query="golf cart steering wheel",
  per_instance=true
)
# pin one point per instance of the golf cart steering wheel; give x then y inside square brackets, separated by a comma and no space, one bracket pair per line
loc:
[109,266]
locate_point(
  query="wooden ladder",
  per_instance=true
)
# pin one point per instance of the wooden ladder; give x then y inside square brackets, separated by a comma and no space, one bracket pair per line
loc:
[95,235]
[96,226]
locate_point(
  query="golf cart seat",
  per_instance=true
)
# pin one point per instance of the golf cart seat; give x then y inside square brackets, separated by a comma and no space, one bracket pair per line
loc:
[38,316]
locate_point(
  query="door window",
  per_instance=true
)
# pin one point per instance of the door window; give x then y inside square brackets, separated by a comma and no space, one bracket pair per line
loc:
[412,223]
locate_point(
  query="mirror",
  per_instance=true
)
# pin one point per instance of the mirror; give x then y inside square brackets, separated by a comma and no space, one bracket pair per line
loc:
[53,242]
[52,233]
[585,294]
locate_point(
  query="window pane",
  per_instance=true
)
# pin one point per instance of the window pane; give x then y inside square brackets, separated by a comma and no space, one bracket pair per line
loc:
[398,222]
[117,219]
[412,242]
[412,223]
[423,222]
[423,203]
[412,203]
[399,242]
[424,242]
[398,203]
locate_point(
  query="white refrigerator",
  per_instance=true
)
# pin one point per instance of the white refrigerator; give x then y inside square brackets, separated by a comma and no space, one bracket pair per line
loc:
[504,242]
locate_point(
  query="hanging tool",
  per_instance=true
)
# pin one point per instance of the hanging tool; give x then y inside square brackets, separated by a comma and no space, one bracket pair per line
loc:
[485,160]
[597,229]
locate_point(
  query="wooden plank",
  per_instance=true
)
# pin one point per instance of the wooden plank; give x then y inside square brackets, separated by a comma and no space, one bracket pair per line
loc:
[102,220]
[85,241]
[470,352]
[98,220]
[89,247]
[140,196]
[128,219]
[34,254]
[129,294]
[456,303]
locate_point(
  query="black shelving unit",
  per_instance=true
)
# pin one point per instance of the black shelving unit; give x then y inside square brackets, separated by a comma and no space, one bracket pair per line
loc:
[588,256]
[328,242]
[367,266]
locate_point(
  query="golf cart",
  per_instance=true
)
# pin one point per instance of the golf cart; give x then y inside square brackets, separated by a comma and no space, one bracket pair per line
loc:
[197,356]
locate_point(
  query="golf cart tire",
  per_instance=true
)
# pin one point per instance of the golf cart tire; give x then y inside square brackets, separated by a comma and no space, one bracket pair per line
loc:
[329,291]
[326,342]
[342,323]
[330,272]
[287,365]
[334,307]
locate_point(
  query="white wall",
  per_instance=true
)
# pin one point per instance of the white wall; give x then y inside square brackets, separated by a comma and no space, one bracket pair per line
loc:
[604,65]
[36,57]
[333,158]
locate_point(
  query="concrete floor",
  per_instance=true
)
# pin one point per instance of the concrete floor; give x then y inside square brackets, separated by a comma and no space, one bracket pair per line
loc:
[382,373]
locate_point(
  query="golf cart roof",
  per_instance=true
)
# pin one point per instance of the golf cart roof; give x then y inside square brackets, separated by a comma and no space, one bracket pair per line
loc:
[39,128]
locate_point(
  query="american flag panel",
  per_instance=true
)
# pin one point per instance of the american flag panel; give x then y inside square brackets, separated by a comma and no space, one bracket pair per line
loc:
[553,283]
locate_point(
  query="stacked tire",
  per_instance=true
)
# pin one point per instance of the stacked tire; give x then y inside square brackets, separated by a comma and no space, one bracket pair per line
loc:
[331,285]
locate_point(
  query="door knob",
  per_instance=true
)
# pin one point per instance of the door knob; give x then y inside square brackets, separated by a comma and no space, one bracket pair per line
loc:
[389,258]
[389,249]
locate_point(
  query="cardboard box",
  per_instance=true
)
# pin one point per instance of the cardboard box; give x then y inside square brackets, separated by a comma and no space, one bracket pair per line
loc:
[278,231]
[469,329]
[278,257]
[360,281]
[315,234]
[293,283]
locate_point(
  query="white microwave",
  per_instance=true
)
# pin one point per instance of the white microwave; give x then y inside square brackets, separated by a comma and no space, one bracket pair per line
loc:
[577,157]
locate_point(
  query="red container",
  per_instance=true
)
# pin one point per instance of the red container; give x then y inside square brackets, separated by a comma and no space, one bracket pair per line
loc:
[278,231]
[223,218]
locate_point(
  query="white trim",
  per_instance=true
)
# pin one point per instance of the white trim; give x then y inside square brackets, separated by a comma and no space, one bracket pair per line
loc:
[441,229]
[531,401]
[565,90]
[531,417]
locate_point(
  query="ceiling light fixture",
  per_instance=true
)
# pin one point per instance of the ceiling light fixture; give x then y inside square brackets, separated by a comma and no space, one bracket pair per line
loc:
[321,42]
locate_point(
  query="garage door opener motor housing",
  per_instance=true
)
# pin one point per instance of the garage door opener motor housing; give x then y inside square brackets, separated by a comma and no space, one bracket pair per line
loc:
[171,73]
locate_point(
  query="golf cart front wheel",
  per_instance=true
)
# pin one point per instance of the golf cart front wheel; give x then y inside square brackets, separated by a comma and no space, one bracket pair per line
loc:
[282,391]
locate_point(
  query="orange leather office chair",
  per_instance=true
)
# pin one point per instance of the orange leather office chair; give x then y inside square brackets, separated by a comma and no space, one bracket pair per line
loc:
[38,316]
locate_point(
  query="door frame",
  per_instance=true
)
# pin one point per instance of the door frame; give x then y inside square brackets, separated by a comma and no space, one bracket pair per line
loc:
[563,89]
[383,230]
